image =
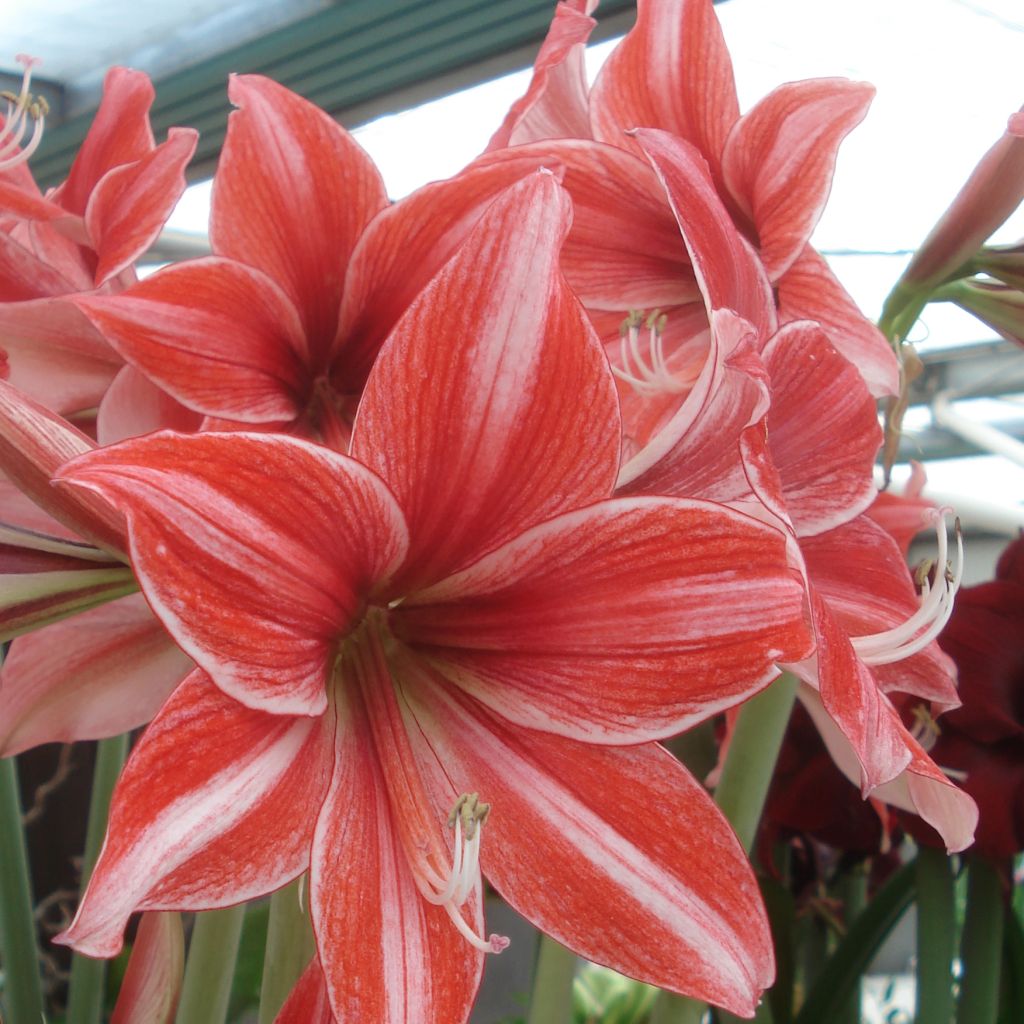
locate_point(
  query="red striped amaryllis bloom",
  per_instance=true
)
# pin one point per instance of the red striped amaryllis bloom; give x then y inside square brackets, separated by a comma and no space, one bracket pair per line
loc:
[448,652]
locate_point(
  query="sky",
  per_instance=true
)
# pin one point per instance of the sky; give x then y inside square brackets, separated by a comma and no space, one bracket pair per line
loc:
[947,75]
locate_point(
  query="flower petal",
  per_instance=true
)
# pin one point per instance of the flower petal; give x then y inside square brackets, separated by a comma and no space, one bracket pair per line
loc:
[308,1003]
[780,157]
[920,788]
[134,405]
[119,134]
[387,954]
[130,204]
[256,582]
[216,805]
[34,444]
[823,429]
[216,334]
[100,673]
[554,105]
[617,852]
[625,621]
[672,71]
[152,983]
[292,194]
[56,356]
[492,406]
[728,272]
[809,290]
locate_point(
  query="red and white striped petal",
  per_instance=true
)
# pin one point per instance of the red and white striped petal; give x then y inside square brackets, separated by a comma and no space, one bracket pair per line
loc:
[34,444]
[308,1002]
[852,699]
[129,206]
[256,551]
[728,271]
[823,429]
[492,407]
[152,983]
[616,852]
[625,621]
[920,788]
[780,157]
[672,71]
[809,290]
[292,195]
[555,104]
[100,673]
[219,336]
[388,955]
[216,805]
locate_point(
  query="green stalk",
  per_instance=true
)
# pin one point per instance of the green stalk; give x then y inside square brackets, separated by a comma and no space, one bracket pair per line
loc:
[85,998]
[23,995]
[982,943]
[936,937]
[865,936]
[210,968]
[290,946]
[854,893]
[551,1000]
[741,792]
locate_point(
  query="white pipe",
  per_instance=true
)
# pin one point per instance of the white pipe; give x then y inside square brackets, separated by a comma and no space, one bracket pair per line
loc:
[984,436]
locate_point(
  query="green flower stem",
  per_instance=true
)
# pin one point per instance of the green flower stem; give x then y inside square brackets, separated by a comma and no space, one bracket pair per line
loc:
[551,1000]
[982,943]
[210,968]
[19,954]
[85,998]
[936,937]
[854,892]
[290,946]
[741,792]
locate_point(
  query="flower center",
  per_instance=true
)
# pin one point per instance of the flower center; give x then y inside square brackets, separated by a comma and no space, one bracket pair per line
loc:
[935,609]
[647,372]
[21,108]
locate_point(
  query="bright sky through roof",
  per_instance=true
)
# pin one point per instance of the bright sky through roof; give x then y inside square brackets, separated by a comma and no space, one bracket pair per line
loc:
[948,74]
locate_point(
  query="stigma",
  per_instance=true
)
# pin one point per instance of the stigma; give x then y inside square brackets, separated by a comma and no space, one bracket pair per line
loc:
[22,107]
[467,819]
[936,604]
[646,372]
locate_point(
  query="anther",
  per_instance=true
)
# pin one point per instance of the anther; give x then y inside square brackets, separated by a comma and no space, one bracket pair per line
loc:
[21,108]
[647,373]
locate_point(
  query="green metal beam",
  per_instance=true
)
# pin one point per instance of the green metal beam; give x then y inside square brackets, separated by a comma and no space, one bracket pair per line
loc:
[357,60]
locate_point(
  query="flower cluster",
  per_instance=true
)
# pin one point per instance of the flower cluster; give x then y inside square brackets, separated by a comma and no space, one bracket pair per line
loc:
[411,528]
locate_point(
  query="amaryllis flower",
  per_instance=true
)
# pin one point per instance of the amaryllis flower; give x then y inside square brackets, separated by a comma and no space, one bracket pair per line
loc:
[772,166]
[82,237]
[421,661]
[311,269]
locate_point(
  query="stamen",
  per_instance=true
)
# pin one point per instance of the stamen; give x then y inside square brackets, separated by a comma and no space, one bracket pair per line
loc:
[466,818]
[20,108]
[936,606]
[650,375]
[925,729]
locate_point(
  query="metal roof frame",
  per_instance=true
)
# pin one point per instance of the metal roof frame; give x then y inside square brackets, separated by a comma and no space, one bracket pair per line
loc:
[357,60]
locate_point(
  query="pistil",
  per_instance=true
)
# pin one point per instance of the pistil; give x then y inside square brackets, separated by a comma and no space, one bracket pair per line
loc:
[22,107]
